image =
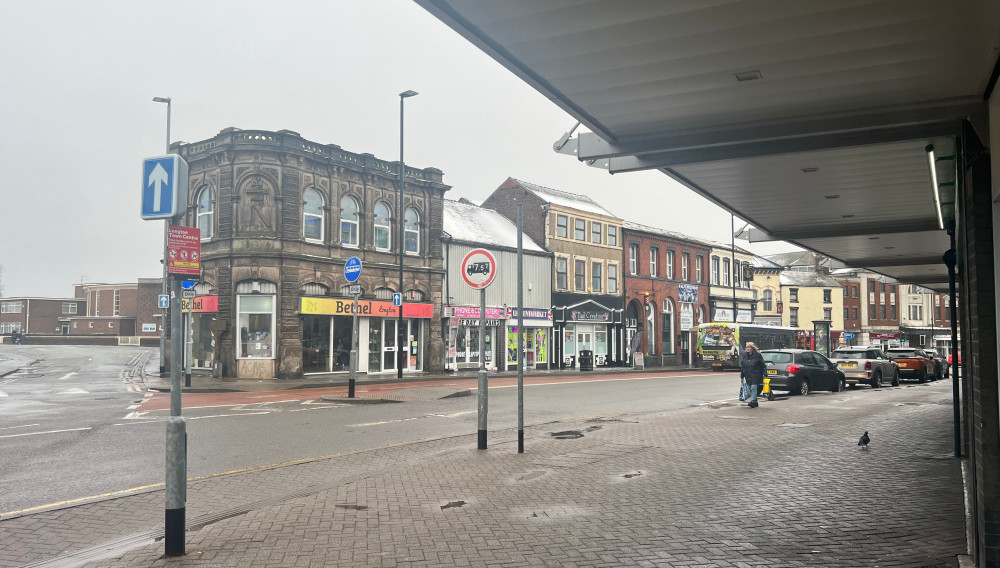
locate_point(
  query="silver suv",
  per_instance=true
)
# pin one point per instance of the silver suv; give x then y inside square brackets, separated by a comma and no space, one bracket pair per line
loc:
[866,365]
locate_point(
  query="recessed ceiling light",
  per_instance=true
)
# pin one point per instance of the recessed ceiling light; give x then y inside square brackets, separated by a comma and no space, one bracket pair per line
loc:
[748,75]
[810,170]
[832,196]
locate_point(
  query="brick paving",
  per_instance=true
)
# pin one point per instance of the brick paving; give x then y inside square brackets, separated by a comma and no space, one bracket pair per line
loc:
[780,485]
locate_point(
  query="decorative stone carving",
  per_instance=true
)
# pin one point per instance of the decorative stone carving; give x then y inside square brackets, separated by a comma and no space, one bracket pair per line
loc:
[257,211]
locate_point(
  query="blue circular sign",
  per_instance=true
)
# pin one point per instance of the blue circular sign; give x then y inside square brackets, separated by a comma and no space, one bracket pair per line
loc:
[352,269]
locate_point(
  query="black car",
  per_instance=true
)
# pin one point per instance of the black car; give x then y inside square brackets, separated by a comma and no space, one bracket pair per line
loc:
[800,371]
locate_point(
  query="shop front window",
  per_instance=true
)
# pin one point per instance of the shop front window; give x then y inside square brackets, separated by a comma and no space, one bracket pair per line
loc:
[256,320]
[600,343]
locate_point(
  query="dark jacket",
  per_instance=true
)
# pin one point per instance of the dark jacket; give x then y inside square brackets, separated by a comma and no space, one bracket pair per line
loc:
[753,368]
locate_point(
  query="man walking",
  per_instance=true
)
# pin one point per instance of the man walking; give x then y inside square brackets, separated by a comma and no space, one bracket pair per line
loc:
[753,368]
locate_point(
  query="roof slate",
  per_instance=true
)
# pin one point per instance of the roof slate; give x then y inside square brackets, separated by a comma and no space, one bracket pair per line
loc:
[472,224]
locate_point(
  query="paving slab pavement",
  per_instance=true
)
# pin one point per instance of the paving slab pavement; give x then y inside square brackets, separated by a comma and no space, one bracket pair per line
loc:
[781,485]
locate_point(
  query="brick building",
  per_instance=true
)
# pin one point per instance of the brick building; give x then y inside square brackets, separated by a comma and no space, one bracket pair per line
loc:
[279,217]
[586,240]
[661,265]
[39,316]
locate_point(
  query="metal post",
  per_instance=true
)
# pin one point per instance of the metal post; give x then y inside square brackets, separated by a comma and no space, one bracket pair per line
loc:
[188,343]
[176,474]
[354,349]
[400,336]
[520,329]
[483,385]
[163,272]
[732,269]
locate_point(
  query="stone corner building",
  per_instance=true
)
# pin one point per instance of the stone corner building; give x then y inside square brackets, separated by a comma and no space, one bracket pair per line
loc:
[279,216]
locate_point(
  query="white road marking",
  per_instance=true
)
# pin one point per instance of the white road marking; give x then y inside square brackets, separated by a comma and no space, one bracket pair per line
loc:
[452,415]
[3,394]
[227,415]
[66,376]
[74,391]
[135,415]
[22,426]
[46,432]
[601,380]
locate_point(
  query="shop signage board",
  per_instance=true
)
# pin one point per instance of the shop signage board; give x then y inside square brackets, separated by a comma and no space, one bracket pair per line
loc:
[201,304]
[345,307]
[531,314]
[184,250]
[479,268]
[474,312]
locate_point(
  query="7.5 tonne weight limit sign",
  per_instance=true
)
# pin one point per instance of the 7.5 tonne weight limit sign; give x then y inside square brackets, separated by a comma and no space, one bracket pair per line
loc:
[479,267]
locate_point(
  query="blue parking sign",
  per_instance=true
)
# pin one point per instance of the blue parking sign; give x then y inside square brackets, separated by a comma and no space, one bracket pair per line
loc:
[164,187]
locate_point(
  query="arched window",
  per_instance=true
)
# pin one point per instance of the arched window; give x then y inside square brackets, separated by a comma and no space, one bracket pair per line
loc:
[768,298]
[206,213]
[383,227]
[315,289]
[667,328]
[411,230]
[383,293]
[349,222]
[701,315]
[312,215]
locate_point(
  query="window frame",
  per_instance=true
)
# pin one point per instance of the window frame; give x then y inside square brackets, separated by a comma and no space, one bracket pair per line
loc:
[271,337]
[633,259]
[596,277]
[580,229]
[768,300]
[827,295]
[386,228]
[670,264]
[354,224]
[564,273]
[564,226]
[205,213]
[685,268]
[654,261]
[307,215]
[726,274]
[612,279]
[699,259]
[793,294]
[793,316]
[414,231]
[70,308]
[716,271]
[596,233]
[580,276]
[612,239]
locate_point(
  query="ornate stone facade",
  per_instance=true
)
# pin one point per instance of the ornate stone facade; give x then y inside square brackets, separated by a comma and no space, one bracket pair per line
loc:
[255,222]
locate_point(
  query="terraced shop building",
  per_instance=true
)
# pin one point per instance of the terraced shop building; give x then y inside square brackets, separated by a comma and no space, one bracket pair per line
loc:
[279,216]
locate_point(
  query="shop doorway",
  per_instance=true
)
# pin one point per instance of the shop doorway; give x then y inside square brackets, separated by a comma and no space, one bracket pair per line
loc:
[413,356]
[315,344]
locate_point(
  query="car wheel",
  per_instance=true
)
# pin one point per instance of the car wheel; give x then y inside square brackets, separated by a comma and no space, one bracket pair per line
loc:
[923,376]
[839,387]
[803,387]
[895,378]
[877,380]
[770,396]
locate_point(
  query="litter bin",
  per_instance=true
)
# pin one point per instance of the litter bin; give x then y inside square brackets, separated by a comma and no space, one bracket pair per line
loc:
[586,360]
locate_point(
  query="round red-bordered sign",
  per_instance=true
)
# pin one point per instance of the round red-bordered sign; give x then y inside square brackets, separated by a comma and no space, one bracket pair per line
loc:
[479,267]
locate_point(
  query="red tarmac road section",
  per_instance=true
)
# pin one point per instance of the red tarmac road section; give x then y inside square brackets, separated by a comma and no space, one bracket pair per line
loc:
[161,401]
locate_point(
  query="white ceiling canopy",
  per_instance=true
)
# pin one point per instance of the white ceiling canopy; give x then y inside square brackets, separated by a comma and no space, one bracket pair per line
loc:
[808,118]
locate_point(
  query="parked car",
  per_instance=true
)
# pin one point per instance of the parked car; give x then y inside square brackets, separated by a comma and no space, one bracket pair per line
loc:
[866,365]
[801,371]
[941,368]
[913,363]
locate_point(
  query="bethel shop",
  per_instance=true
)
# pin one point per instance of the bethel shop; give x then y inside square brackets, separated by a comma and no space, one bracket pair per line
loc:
[326,335]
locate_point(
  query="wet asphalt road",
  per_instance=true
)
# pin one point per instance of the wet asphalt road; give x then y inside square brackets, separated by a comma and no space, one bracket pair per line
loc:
[70,428]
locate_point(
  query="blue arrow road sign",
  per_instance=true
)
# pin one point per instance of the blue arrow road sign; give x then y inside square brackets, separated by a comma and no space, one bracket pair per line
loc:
[164,187]
[163,301]
[352,269]
[397,299]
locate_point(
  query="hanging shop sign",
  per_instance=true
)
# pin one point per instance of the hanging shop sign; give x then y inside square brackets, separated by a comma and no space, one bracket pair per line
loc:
[345,307]
[687,293]
[200,304]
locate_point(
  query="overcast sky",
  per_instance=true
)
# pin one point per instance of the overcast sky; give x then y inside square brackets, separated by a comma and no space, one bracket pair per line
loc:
[77,118]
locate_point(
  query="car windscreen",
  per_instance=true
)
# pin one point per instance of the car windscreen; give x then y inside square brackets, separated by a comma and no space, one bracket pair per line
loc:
[902,353]
[776,357]
[849,355]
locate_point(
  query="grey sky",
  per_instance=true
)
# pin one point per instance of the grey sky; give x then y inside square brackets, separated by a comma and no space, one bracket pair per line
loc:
[78,118]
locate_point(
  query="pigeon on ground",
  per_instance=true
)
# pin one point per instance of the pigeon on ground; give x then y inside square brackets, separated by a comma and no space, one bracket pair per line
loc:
[863,442]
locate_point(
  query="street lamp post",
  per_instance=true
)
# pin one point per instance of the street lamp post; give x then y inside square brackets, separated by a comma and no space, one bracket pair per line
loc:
[163,272]
[401,346]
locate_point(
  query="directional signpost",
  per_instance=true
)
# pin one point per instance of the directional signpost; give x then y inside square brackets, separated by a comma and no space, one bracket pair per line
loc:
[352,271]
[164,196]
[479,268]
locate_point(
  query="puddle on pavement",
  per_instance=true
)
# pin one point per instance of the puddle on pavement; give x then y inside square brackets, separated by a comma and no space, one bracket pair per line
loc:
[632,475]
[567,435]
[453,505]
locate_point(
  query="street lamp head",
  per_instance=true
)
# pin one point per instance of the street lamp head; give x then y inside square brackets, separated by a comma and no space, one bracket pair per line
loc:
[161,99]
[406,94]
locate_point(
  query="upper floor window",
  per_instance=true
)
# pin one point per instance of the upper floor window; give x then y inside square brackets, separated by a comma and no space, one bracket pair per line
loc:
[312,215]
[670,264]
[349,222]
[612,236]
[715,270]
[69,307]
[612,279]
[596,233]
[383,227]
[768,299]
[827,313]
[697,268]
[580,275]
[827,297]
[737,281]
[654,254]
[793,294]
[10,307]
[854,291]
[685,260]
[725,272]
[206,213]
[561,274]
[633,259]
[562,226]
[411,230]
[793,317]
[596,277]
[580,229]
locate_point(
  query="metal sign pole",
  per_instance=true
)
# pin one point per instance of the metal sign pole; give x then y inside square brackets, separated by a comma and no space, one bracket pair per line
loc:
[520,330]
[188,342]
[354,350]
[483,385]
[176,478]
